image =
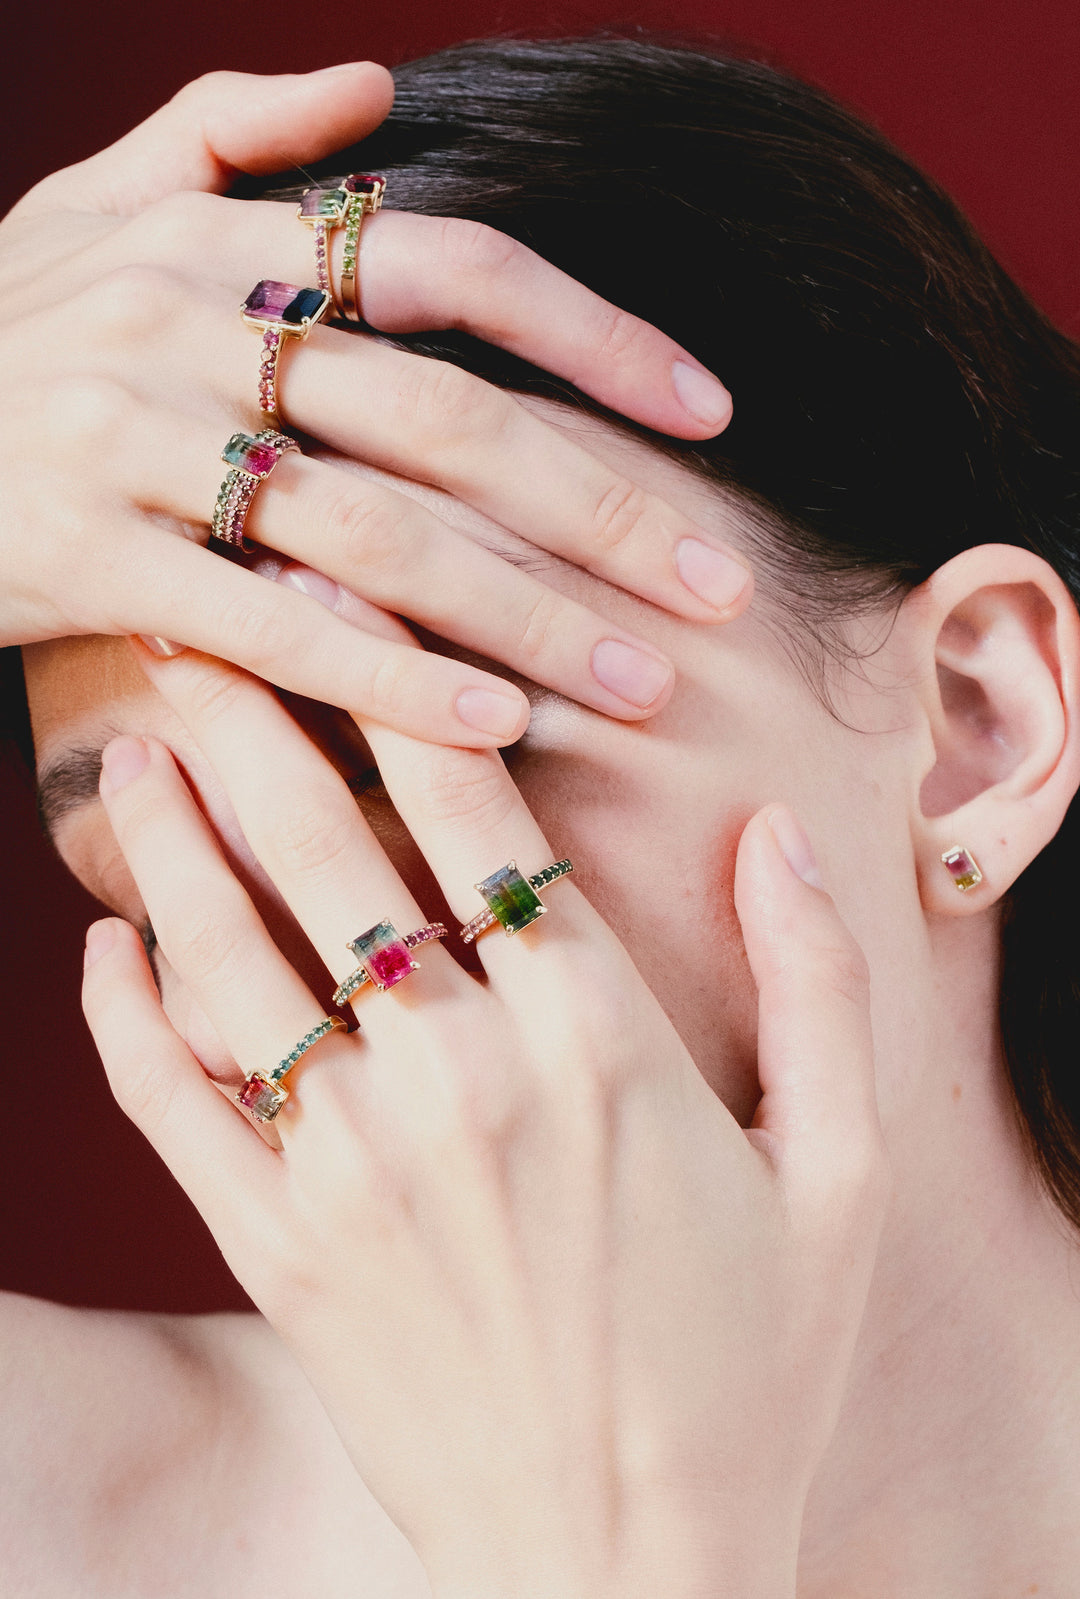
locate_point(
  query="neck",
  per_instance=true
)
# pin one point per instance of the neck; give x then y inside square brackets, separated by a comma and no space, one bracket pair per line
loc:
[955,1467]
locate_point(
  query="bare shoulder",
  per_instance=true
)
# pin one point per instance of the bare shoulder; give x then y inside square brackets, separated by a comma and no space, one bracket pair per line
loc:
[146,1455]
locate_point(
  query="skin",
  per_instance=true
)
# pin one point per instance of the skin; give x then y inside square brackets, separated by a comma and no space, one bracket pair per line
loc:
[954,1467]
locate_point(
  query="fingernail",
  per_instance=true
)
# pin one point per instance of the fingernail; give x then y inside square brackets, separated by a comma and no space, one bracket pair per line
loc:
[342,66]
[316,585]
[632,674]
[123,759]
[489,712]
[795,846]
[704,396]
[162,646]
[715,577]
[100,938]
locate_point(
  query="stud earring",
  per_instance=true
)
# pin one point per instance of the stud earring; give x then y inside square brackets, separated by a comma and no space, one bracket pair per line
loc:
[962,867]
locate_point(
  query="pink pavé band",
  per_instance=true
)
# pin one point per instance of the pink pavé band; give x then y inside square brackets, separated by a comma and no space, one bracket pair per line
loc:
[250,459]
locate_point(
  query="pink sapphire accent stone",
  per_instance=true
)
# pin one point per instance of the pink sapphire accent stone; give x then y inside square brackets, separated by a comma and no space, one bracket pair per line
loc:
[368,184]
[383,954]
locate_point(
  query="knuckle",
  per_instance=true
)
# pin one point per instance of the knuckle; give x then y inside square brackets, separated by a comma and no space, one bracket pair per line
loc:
[258,634]
[130,303]
[472,248]
[467,786]
[449,405]
[620,336]
[313,837]
[618,515]
[88,412]
[203,935]
[179,224]
[210,88]
[214,692]
[145,1090]
[842,970]
[389,691]
[540,626]
[369,530]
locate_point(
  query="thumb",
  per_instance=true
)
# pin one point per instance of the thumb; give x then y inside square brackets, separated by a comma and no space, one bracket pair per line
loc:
[818,1116]
[221,124]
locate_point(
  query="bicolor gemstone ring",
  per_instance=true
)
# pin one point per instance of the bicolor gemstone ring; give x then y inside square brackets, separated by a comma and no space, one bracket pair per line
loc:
[250,458]
[264,1093]
[280,311]
[323,210]
[513,900]
[385,957]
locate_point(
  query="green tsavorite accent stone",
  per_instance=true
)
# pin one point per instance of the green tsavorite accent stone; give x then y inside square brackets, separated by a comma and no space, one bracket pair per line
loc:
[511,898]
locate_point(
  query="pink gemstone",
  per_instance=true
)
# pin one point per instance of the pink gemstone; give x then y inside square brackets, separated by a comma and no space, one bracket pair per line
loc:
[960,863]
[261,1098]
[363,183]
[388,966]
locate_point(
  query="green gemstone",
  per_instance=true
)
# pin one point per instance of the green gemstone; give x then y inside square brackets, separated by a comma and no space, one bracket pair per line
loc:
[511,898]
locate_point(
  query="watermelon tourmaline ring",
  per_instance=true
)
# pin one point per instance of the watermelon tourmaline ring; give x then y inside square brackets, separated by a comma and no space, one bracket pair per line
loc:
[385,957]
[512,899]
[323,210]
[280,311]
[264,1093]
[250,458]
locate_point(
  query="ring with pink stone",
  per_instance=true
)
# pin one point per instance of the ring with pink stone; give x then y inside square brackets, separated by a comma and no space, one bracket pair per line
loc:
[364,193]
[250,458]
[264,1093]
[385,957]
[280,311]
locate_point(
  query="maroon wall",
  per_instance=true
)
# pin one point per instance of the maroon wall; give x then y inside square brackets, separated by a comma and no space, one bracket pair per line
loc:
[980,92]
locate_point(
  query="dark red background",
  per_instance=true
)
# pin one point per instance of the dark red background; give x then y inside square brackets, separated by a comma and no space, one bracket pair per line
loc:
[982,93]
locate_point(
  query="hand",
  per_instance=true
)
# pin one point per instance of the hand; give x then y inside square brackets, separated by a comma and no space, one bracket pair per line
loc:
[581,1333]
[127,367]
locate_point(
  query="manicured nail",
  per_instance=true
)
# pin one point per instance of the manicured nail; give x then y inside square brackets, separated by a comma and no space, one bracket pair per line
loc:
[100,938]
[715,577]
[123,759]
[632,674]
[795,846]
[489,712]
[704,396]
[162,646]
[316,585]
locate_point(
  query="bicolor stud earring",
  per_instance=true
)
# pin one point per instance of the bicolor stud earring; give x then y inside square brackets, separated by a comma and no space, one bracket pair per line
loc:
[962,867]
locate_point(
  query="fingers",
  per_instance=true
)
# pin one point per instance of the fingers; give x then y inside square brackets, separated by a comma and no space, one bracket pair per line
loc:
[160,1085]
[818,1117]
[398,554]
[419,272]
[223,123]
[177,590]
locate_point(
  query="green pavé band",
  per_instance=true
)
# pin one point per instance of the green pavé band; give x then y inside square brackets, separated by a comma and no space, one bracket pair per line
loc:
[513,900]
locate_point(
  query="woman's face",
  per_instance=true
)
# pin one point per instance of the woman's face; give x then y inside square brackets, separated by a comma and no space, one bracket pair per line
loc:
[650,812]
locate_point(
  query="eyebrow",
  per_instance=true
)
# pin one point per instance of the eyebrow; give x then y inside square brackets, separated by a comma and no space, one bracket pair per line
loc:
[69,782]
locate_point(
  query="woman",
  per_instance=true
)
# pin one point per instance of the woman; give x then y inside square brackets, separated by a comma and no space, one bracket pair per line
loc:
[587,1312]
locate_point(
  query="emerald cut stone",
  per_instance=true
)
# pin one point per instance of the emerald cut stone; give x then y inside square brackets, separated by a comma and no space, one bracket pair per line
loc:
[963,868]
[250,455]
[384,955]
[325,204]
[284,306]
[262,1098]
[511,898]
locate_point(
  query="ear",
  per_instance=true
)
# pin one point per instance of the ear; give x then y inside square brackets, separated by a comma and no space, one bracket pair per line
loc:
[995,639]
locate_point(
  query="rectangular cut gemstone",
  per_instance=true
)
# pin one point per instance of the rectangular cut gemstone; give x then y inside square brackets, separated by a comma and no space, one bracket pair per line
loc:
[384,955]
[963,868]
[325,203]
[366,183]
[262,1098]
[283,303]
[511,898]
[253,456]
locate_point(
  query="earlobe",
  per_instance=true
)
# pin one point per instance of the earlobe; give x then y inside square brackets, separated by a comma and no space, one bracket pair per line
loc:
[996,637]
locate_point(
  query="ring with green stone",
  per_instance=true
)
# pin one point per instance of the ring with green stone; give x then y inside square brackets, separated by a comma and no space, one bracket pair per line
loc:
[513,900]
[264,1093]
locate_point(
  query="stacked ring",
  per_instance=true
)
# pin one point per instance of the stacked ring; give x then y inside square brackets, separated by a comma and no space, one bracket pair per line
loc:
[365,192]
[250,458]
[322,210]
[385,957]
[280,311]
[264,1093]
[512,900]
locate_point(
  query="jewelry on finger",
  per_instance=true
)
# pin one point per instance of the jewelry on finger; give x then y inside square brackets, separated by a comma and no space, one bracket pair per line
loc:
[384,957]
[962,867]
[323,210]
[264,1093]
[281,311]
[250,458]
[512,899]
[365,192]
